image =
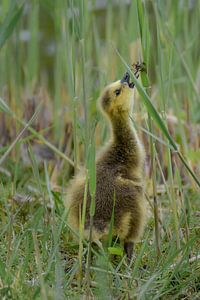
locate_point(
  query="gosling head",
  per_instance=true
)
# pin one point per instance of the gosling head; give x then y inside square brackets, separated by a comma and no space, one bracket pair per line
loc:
[117,98]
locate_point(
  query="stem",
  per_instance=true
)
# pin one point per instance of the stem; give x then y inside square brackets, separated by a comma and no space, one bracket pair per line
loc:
[173,202]
[155,202]
[84,94]
[88,279]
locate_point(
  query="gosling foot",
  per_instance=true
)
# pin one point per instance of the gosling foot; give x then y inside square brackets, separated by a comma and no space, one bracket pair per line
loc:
[128,248]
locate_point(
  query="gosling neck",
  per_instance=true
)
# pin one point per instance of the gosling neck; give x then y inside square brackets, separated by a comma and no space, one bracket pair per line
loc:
[123,130]
[125,143]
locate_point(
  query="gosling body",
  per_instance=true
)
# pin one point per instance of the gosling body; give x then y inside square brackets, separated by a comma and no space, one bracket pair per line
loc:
[119,175]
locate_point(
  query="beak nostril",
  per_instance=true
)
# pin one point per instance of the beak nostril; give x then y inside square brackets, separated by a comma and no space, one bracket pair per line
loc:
[126,78]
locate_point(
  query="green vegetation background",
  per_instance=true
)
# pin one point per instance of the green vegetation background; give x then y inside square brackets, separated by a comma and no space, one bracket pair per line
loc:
[55,59]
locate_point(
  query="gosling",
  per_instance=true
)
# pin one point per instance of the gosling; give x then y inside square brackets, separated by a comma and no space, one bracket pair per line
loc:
[119,175]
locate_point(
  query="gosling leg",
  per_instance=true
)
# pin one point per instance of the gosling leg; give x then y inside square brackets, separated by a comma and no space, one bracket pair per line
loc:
[128,248]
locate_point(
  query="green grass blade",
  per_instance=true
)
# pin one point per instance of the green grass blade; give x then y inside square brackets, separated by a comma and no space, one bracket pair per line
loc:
[2,159]
[156,117]
[10,22]
[36,134]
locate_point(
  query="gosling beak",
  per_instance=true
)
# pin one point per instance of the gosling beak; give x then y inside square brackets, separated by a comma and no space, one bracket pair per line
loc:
[126,78]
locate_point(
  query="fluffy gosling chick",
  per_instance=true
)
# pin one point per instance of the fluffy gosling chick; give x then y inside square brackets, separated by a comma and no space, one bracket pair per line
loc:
[119,174]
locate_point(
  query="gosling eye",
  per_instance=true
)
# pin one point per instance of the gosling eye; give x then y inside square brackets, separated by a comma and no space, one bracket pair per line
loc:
[117,92]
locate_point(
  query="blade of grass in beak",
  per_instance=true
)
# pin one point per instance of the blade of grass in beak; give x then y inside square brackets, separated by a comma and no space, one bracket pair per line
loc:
[166,144]
[156,117]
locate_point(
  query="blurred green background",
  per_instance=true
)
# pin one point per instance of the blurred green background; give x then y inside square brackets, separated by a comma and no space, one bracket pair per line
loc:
[55,59]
